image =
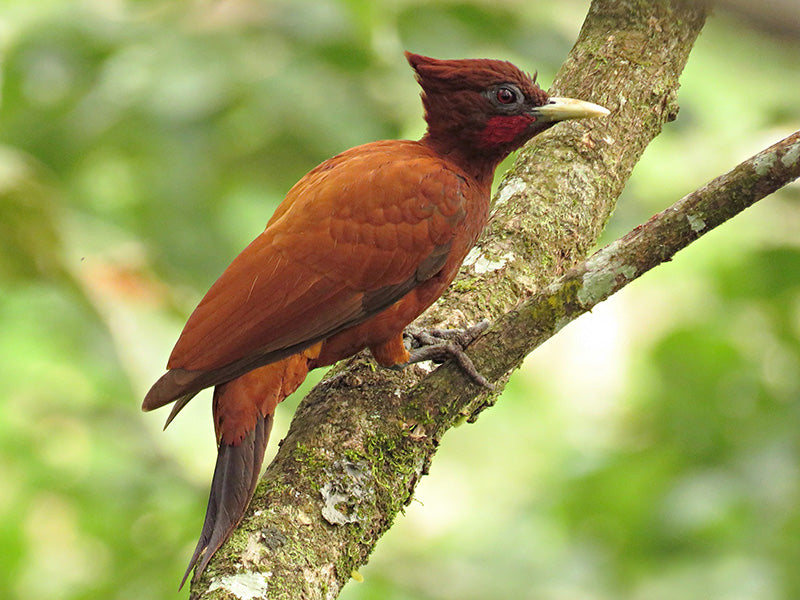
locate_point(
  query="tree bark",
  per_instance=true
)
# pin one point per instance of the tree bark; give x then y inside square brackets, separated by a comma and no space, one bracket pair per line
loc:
[361,440]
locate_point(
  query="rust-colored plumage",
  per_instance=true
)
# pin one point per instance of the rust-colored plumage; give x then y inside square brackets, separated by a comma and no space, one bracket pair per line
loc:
[358,249]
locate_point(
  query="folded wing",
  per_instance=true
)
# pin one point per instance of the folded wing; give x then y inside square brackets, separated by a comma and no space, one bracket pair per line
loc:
[350,239]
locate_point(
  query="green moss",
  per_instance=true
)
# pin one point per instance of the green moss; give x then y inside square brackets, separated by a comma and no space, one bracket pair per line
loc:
[313,464]
[278,488]
[460,420]
[311,458]
[386,455]
[466,284]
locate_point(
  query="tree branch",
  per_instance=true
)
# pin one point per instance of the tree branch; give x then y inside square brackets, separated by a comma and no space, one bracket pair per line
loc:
[362,439]
[517,333]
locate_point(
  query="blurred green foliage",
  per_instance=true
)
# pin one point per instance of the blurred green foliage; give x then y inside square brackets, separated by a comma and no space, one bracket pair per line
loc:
[650,451]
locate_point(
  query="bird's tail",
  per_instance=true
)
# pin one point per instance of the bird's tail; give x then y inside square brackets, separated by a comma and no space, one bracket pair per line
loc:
[243,415]
[235,479]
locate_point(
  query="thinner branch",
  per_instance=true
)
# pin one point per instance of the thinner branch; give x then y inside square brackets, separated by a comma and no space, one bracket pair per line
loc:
[613,267]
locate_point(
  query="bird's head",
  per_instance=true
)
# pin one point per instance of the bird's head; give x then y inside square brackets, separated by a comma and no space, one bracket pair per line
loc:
[487,108]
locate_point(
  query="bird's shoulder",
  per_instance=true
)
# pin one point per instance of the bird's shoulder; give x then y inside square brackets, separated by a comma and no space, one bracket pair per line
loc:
[371,215]
[386,182]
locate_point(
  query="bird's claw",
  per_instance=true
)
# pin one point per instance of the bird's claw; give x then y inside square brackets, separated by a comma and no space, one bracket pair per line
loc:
[439,345]
[415,337]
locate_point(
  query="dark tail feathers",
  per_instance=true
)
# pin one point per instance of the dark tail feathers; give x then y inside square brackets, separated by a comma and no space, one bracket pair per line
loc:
[235,478]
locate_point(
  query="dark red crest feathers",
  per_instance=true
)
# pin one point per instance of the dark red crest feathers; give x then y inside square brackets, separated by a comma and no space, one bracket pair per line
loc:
[441,76]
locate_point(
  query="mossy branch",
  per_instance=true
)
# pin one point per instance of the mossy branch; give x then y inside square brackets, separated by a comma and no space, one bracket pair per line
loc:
[361,440]
[518,332]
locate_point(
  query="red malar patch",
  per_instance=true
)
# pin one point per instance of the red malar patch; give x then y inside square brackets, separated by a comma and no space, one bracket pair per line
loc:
[504,129]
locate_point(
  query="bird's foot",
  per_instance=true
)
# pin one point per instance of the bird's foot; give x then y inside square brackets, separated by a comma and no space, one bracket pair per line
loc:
[439,345]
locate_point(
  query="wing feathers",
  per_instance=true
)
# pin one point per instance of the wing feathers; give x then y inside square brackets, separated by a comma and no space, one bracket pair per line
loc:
[352,237]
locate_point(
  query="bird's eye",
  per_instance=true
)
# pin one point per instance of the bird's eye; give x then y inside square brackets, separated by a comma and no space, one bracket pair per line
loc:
[505,95]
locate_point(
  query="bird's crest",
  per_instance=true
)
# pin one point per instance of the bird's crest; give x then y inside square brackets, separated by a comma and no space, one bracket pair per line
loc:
[443,76]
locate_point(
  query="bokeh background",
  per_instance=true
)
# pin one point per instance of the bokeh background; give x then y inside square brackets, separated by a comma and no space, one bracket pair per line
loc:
[651,450]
